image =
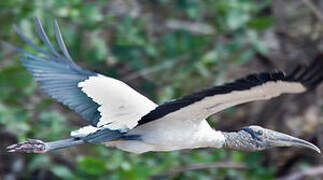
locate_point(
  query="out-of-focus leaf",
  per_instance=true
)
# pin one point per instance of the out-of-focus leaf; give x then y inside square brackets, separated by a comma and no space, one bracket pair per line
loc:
[39,161]
[210,57]
[91,15]
[15,82]
[237,156]
[15,119]
[62,172]
[261,23]
[92,166]
[257,44]
[202,69]
[54,122]
[237,19]
[98,51]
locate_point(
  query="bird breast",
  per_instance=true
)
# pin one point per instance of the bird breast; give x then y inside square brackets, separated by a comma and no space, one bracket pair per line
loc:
[163,135]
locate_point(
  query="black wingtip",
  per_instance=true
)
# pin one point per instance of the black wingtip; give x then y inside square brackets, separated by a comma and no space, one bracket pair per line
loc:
[310,76]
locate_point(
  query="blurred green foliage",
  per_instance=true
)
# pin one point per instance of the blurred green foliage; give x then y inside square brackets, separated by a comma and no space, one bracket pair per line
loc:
[121,45]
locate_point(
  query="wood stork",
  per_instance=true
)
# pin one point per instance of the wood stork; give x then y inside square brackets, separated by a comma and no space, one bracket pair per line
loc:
[121,117]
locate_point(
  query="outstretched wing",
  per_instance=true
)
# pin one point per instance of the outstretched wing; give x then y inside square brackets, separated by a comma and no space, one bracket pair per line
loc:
[102,100]
[202,104]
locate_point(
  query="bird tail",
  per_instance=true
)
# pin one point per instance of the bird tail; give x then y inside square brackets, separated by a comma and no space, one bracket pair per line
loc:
[93,134]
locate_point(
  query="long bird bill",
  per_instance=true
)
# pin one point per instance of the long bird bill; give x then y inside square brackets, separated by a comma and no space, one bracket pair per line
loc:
[277,139]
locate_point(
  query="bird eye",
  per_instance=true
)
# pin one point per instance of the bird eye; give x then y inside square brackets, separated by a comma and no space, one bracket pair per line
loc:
[259,132]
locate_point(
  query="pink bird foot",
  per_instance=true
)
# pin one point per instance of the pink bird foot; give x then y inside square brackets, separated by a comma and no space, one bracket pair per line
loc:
[29,146]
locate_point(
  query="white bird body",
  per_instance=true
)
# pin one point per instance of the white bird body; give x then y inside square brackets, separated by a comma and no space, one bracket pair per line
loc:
[170,135]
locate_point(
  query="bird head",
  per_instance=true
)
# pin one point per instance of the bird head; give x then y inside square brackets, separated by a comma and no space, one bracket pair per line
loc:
[256,138]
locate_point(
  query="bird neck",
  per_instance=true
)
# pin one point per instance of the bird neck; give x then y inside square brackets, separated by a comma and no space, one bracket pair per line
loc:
[240,140]
[212,138]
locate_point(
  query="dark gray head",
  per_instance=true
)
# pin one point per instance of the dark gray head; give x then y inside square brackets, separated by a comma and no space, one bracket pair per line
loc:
[256,138]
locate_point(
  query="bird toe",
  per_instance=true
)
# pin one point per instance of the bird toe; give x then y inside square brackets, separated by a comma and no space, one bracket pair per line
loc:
[29,146]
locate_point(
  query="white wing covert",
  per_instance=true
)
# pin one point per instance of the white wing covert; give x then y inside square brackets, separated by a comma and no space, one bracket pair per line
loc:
[121,107]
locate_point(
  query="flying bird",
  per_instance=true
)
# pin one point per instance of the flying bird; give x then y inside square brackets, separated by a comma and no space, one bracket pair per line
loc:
[120,117]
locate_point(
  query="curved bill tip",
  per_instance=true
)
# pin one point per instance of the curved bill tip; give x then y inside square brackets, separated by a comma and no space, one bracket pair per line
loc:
[302,143]
[315,148]
[284,140]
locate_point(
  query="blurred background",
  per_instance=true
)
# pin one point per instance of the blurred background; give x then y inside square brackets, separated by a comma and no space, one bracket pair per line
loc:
[164,49]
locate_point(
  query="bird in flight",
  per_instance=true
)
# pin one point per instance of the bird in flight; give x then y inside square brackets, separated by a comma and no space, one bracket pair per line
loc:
[120,117]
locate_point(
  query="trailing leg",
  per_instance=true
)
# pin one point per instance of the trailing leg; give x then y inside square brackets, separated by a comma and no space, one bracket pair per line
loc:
[38,146]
